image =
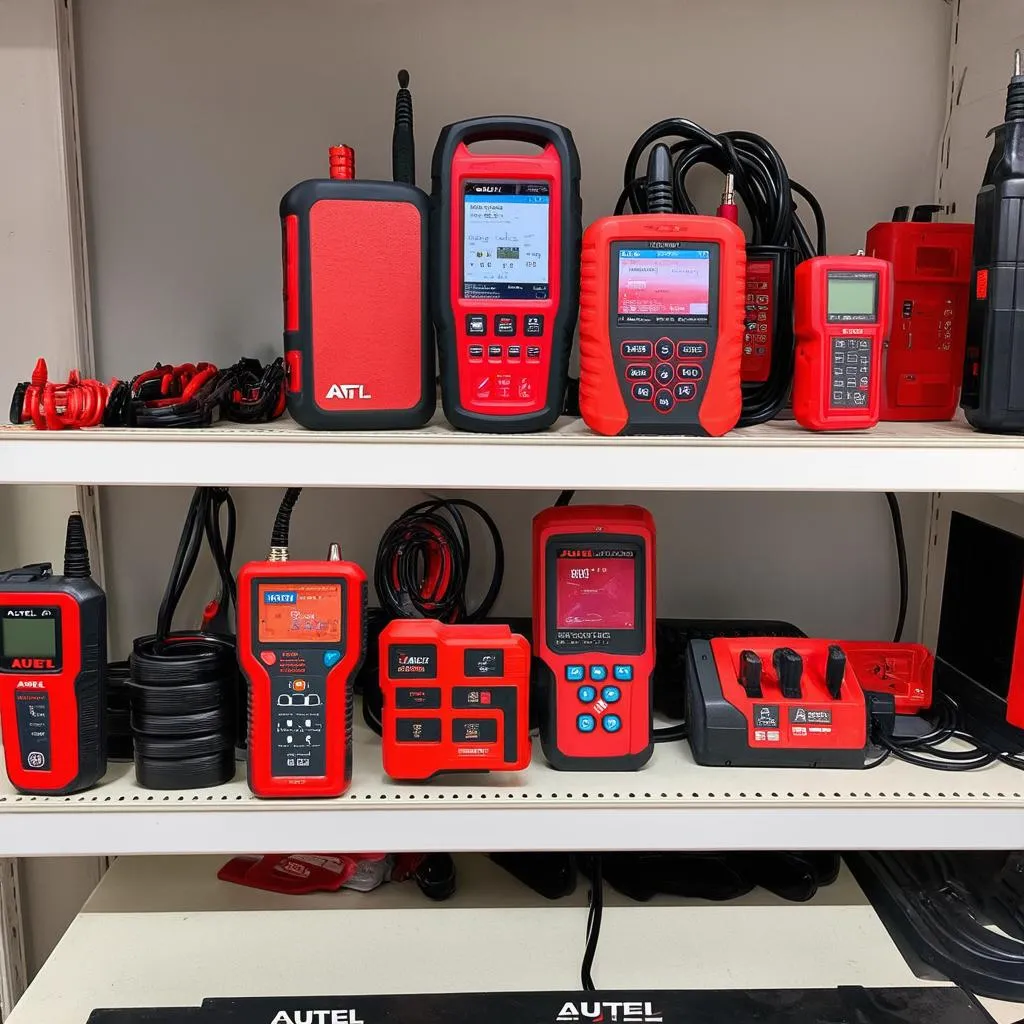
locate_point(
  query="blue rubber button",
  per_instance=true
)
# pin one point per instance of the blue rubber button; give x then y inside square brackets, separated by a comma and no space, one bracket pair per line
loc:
[331,658]
[598,673]
[624,673]
[586,723]
[587,694]
[574,673]
[611,723]
[610,694]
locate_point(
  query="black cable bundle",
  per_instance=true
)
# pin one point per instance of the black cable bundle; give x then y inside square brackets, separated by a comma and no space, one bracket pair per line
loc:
[184,684]
[119,730]
[764,185]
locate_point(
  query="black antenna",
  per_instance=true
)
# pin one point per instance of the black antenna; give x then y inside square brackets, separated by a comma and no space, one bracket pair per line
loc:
[403,147]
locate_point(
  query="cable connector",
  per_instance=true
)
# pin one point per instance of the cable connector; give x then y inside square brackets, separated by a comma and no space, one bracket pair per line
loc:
[729,210]
[76,550]
[881,708]
[403,147]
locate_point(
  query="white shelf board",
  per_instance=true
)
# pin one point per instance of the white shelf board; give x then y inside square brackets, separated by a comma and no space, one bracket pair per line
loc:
[775,456]
[672,804]
[164,932]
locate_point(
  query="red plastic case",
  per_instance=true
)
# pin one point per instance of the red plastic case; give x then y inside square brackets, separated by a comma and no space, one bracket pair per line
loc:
[456,698]
[837,377]
[904,670]
[621,388]
[601,657]
[300,692]
[924,360]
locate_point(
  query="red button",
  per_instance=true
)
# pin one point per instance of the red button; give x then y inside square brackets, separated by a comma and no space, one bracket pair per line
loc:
[268,657]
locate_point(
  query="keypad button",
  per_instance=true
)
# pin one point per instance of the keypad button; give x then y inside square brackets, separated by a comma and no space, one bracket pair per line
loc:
[598,673]
[533,325]
[533,351]
[587,694]
[636,350]
[638,371]
[663,401]
[586,723]
[692,349]
[331,658]
[476,351]
[686,372]
[663,373]
[685,392]
[643,392]
[623,673]
[575,673]
[611,723]
[514,351]
[476,324]
[493,351]
[611,694]
[505,324]
[664,348]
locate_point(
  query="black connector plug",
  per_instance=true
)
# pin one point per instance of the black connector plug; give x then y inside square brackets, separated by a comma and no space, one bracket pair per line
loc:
[789,667]
[750,674]
[76,550]
[835,669]
[881,709]
[403,146]
[659,180]
[1015,91]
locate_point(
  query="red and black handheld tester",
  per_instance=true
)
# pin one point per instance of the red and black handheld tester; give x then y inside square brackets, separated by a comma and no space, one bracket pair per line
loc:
[843,313]
[593,634]
[301,640]
[456,698]
[762,701]
[506,234]
[923,361]
[53,664]
[661,324]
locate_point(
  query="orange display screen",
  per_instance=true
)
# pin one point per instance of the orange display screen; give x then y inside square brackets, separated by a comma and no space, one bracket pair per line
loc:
[299,613]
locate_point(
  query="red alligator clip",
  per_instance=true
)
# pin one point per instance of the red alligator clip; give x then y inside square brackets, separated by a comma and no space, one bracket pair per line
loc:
[78,403]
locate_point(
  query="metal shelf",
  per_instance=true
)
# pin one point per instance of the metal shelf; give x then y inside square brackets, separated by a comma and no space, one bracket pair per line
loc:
[772,457]
[672,804]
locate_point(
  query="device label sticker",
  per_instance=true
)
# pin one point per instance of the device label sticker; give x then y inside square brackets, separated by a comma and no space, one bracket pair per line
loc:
[33,715]
[489,662]
[810,716]
[412,660]
[475,730]
[418,730]
[766,716]
[407,697]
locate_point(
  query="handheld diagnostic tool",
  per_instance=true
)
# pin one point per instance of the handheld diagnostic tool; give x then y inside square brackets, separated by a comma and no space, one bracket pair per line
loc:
[593,634]
[53,663]
[843,314]
[301,639]
[661,325]
[456,698]
[505,234]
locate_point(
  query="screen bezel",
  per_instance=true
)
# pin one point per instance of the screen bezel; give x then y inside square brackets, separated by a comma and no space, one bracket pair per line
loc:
[607,641]
[852,275]
[298,581]
[464,187]
[50,612]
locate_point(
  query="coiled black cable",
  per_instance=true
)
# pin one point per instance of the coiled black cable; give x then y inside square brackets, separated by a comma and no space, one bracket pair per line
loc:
[283,520]
[763,184]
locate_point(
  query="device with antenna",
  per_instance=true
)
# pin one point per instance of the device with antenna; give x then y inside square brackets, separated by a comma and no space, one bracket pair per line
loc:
[53,664]
[301,641]
[358,342]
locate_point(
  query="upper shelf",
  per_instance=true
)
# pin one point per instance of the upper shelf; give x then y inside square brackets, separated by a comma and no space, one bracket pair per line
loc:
[776,456]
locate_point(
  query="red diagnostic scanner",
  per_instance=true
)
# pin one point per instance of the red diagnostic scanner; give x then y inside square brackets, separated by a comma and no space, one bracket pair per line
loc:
[923,362]
[506,248]
[593,634]
[661,324]
[843,312]
[301,640]
[456,698]
[774,703]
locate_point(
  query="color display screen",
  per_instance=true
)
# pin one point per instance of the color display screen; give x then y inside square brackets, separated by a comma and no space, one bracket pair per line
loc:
[29,638]
[595,592]
[299,613]
[661,285]
[505,244]
[853,296]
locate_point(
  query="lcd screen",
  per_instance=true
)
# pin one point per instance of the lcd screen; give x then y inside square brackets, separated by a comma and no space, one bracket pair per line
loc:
[29,638]
[300,613]
[663,283]
[595,593]
[853,296]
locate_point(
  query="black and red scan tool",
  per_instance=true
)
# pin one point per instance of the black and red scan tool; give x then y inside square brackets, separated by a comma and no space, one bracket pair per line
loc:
[593,634]
[505,237]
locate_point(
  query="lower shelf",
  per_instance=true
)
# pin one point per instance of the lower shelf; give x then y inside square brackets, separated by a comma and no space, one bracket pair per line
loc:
[672,804]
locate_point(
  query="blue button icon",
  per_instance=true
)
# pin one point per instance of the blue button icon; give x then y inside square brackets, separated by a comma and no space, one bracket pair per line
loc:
[587,694]
[598,673]
[574,673]
[331,658]
[585,723]
[611,694]
[611,723]
[624,673]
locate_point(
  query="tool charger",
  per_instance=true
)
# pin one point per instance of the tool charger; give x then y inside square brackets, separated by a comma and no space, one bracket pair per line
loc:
[456,698]
[741,716]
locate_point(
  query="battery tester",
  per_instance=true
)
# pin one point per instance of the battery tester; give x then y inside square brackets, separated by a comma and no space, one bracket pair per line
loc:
[593,634]
[505,290]
[301,639]
[53,661]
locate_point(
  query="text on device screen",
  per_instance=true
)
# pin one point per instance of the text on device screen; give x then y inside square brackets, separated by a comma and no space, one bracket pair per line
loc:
[300,613]
[28,638]
[853,295]
[505,240]
[664,283]
[596,592]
